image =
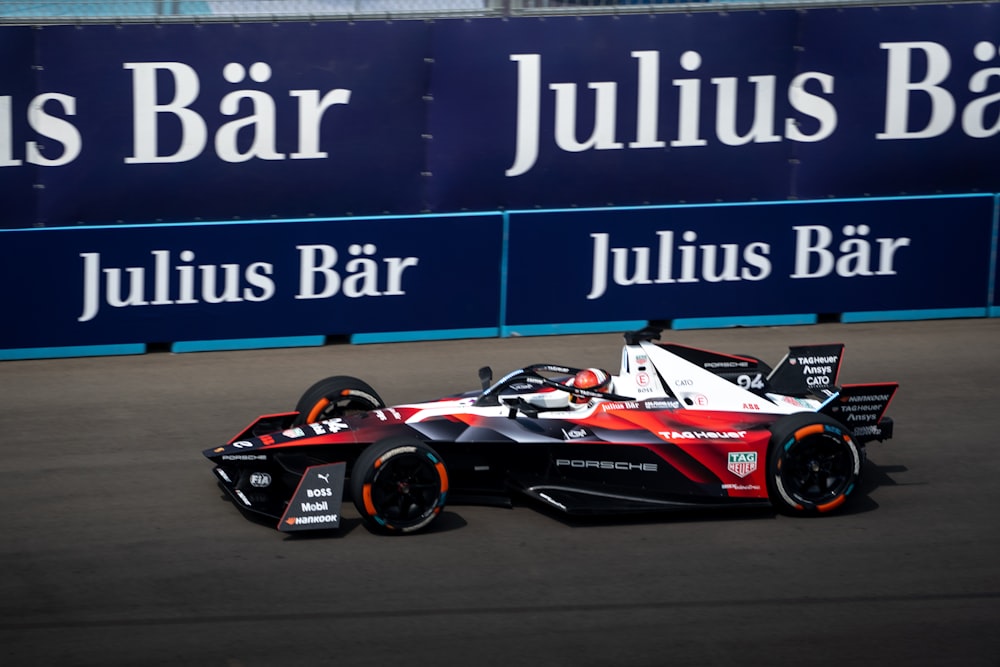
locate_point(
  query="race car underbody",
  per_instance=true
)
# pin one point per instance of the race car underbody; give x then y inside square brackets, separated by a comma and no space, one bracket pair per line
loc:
[677,428]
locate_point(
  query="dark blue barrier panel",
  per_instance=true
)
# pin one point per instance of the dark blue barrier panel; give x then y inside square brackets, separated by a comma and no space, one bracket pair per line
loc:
[636,112]
[104,286]
[143,123]
[716,107]
[17,90]
[916,100]
[767,259]
[249,121]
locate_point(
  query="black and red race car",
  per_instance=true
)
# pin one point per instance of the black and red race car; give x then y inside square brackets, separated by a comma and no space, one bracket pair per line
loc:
[677,427]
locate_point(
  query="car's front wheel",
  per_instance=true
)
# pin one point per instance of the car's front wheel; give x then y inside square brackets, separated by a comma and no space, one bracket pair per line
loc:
[335,397]
[813,465]
[399,485]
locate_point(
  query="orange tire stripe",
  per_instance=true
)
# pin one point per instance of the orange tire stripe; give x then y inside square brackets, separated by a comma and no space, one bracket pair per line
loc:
[836,502]
[808,430]
[443,474]
[366,494]
[318,408]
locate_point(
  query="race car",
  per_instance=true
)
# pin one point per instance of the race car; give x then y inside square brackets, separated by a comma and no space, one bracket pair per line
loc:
[677,428]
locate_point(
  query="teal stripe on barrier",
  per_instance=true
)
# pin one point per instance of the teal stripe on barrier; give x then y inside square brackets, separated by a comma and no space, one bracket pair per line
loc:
[765,202]
[900,315]
[73,351]
[415,336]
[246,344]
[994,311]
[572,328]
[105,9]
[230,223]
[992,287]
[749,321]
[504,268]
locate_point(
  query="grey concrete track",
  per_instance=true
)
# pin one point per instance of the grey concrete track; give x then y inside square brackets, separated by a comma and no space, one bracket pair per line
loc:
[116,549]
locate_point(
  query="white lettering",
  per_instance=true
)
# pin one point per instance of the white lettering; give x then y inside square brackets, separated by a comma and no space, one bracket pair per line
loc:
[146,112]
[128,287]
[603,135]
[529,78]
[261,122]
[363,276]
[319,518]
[854,256]
[311,109]
[7,133]
[811,105]
[53,128]
[321,506]
[607,465]
[899,87]
[680,263]
[702,435]
[763,118]
[764,126]
[648,101]
[230,141]
[64,135]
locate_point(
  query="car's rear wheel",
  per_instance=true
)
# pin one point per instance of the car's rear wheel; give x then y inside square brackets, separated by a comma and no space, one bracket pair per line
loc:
[399,485]
[813,464]
[335,397]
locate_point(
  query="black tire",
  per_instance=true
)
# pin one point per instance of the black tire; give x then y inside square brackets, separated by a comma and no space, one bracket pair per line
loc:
[813,464]
[399,485]
[335,397]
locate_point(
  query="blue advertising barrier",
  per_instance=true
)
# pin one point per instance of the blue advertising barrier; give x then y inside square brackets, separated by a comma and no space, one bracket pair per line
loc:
[114,290]
[741,262]
[602,110]
[494,177]
[736,106]
[216,282]
[914,101]
[145,123]
[178,123]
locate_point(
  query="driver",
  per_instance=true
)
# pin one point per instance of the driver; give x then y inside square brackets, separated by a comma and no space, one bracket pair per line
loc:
[592,379]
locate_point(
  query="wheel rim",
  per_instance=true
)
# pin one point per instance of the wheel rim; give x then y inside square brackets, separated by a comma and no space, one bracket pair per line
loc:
[818,469]
[405,490]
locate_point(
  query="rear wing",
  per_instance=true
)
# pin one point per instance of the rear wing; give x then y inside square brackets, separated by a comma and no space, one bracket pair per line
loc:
[814,369]
[806,377]
[861,407]
[807,369]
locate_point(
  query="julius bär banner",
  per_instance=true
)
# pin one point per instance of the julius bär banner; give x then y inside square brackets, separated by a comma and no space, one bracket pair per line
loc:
[706,107]
[175,123]
[142,123]
[767,259]
[168,283]
[907,101]
[609,110]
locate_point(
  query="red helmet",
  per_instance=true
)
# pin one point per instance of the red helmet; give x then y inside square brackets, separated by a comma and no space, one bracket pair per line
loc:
[593,379]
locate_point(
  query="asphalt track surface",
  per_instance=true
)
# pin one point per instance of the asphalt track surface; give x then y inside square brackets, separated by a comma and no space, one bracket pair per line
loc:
[117,549]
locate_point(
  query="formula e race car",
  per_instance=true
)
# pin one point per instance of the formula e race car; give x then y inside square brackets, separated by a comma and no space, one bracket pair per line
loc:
[677,427]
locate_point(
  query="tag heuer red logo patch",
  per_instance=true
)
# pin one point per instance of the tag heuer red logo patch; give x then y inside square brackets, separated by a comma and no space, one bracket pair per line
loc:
[742,464]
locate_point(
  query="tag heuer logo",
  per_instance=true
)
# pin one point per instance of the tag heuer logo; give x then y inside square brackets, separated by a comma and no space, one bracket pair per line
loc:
[742,464]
